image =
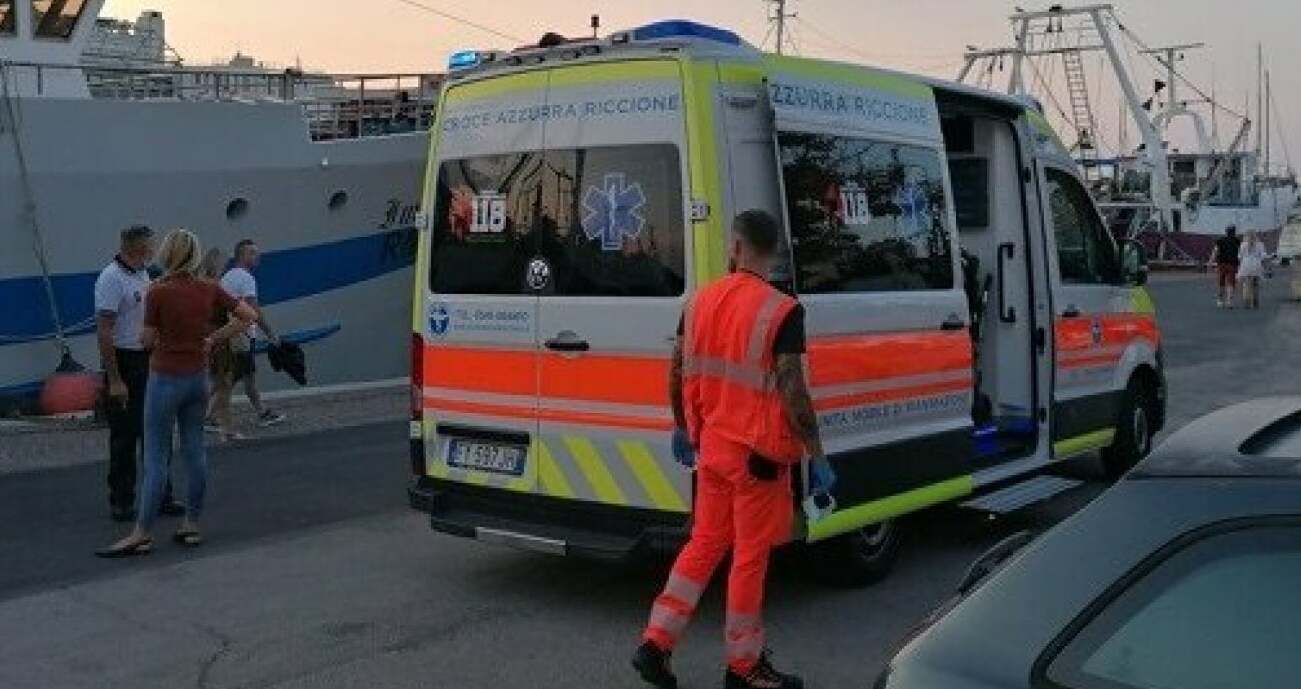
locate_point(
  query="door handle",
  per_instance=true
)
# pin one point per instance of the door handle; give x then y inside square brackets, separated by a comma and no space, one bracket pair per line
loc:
[1072,311]
[953,322]
[1006,252]
[567,341]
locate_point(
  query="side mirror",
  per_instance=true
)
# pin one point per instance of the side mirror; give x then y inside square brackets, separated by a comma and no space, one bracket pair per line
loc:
[1133,263]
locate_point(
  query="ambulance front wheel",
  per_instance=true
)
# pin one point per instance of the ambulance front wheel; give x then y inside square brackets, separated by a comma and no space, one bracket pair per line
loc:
[860,557]
[1134,430]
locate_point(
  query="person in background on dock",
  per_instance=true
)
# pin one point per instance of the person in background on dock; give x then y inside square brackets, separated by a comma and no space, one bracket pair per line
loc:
[240,283]
[119,309]
[1251,268]
[1225,259]
[177,329]
[221,360]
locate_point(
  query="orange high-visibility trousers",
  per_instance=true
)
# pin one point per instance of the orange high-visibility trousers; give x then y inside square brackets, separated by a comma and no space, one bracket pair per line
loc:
[733,510]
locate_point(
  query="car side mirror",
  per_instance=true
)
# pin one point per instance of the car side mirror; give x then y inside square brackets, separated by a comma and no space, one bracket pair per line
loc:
[1133,262]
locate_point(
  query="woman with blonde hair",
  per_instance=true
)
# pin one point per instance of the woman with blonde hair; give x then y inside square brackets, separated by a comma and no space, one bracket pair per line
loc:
[221,359]
[1251,269]
[178,331]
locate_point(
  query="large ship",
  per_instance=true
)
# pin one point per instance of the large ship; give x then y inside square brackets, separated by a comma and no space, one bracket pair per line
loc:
[1176,201]
[102,126]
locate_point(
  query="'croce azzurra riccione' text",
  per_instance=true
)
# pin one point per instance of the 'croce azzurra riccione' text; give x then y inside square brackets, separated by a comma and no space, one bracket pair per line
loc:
[619,106]
[868,106]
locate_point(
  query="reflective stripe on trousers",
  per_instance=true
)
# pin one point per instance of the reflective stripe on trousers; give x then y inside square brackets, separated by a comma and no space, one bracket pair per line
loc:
[744,639]
[672,610]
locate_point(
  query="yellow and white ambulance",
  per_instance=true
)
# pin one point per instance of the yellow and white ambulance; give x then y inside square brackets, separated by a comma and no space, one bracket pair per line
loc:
[971,322]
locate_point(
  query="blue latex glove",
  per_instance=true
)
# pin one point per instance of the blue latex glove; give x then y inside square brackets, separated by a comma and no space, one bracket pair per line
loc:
[683,453]
[822,478]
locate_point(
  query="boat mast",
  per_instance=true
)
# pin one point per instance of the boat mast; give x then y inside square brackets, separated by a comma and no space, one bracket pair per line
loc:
[1153,148]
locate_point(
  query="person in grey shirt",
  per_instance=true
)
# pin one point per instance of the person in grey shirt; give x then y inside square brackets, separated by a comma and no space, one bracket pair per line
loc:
[119,315]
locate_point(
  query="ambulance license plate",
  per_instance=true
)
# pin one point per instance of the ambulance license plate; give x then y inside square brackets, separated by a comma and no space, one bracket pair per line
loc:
[481,456]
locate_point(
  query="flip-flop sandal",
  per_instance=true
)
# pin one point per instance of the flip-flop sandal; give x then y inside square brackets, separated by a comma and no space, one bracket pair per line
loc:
[188,538]
[142,548]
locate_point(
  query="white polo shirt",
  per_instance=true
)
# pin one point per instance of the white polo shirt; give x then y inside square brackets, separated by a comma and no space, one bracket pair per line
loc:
[121,291]
[241,284]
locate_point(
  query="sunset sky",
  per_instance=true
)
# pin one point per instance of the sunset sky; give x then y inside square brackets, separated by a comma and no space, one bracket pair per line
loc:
[920,35]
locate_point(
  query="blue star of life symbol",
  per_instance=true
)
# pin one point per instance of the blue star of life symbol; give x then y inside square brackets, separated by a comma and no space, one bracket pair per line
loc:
[439,321]
[913,207]
[612,212]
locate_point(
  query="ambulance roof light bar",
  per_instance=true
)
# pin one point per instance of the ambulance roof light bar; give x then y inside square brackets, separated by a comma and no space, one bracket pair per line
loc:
[466,59]
[677,28]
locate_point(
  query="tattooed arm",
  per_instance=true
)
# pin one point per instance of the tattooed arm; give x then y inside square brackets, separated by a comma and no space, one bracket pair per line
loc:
[675,386]
[797,402]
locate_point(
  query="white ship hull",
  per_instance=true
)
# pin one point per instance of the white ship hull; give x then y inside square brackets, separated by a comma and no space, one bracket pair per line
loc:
[334,275]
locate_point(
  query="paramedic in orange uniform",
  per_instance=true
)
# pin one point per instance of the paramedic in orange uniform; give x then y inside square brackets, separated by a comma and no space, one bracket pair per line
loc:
[740,398]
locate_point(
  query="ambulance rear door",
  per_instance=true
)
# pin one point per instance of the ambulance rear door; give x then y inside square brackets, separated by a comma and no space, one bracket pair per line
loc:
[866,191]
[481,356]
[613,237]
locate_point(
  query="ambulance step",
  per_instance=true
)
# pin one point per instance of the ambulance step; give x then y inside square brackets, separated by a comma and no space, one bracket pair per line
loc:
[1023,494]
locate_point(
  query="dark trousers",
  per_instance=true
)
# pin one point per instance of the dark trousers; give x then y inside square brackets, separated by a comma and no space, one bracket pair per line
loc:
[125,427]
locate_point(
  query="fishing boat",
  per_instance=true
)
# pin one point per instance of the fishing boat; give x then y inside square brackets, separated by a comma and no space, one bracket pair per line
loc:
[102,126]
[1178,201]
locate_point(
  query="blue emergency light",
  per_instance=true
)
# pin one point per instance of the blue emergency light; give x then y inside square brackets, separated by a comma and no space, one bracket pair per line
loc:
[682,28]
[463,59]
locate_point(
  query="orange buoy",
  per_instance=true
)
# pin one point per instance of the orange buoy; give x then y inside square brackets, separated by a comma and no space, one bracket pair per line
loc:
[71,388]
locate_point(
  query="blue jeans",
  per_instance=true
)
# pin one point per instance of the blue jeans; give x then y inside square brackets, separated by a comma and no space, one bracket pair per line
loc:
[173,401]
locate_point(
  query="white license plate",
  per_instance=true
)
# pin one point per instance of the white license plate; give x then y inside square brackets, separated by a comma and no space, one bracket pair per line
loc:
[476,455]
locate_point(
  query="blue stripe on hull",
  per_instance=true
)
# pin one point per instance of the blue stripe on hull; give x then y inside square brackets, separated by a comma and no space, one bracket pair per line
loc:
[284,275]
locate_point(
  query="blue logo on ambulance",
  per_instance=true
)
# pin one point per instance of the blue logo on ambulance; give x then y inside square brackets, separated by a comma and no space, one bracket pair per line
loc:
[612,212]
[439,320]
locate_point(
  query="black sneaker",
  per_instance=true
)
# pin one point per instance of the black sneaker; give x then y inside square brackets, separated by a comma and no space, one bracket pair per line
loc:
[762,676]
[653,666]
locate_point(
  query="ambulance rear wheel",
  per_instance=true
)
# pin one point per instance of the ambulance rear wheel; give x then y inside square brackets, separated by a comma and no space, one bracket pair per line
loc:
[1134,430]
[860,557]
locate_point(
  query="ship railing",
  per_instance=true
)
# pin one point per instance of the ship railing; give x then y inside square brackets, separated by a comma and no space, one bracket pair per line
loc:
[335,106]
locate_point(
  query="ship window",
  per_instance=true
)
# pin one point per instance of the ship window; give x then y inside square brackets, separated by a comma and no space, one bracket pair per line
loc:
[338,200]
[56,18]
[236,209]
[7,17]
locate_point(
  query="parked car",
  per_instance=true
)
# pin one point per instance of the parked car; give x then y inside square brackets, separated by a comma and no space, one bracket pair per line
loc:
[1184,575]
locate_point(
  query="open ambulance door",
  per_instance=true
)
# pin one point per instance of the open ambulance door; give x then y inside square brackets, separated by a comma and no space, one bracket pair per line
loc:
[865,191]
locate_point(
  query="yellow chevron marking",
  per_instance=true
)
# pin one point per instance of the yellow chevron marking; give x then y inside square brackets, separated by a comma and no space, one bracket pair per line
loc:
[647,471]
[553,481]
[595,471]
[438,469]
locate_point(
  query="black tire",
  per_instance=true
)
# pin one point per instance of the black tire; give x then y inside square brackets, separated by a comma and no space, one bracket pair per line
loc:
[858,558]
[1135,428]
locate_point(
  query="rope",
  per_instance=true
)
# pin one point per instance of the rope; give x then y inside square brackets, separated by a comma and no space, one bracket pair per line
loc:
[461,20]
[12,106]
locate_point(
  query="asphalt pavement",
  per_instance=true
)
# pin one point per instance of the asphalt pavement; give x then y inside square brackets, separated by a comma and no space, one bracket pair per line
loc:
[317,575]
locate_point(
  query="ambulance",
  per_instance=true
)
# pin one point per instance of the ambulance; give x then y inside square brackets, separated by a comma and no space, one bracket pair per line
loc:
[971,322]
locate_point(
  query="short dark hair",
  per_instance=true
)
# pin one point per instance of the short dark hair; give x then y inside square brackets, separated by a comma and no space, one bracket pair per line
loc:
[240,246]
[759,229]
[1231,230]
[136,233]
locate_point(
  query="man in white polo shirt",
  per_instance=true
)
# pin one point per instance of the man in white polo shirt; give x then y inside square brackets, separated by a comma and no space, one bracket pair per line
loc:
[119,315]
[240,283]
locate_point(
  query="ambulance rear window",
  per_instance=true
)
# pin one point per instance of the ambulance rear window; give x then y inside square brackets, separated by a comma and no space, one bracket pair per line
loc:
[865,216]
[609,220]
